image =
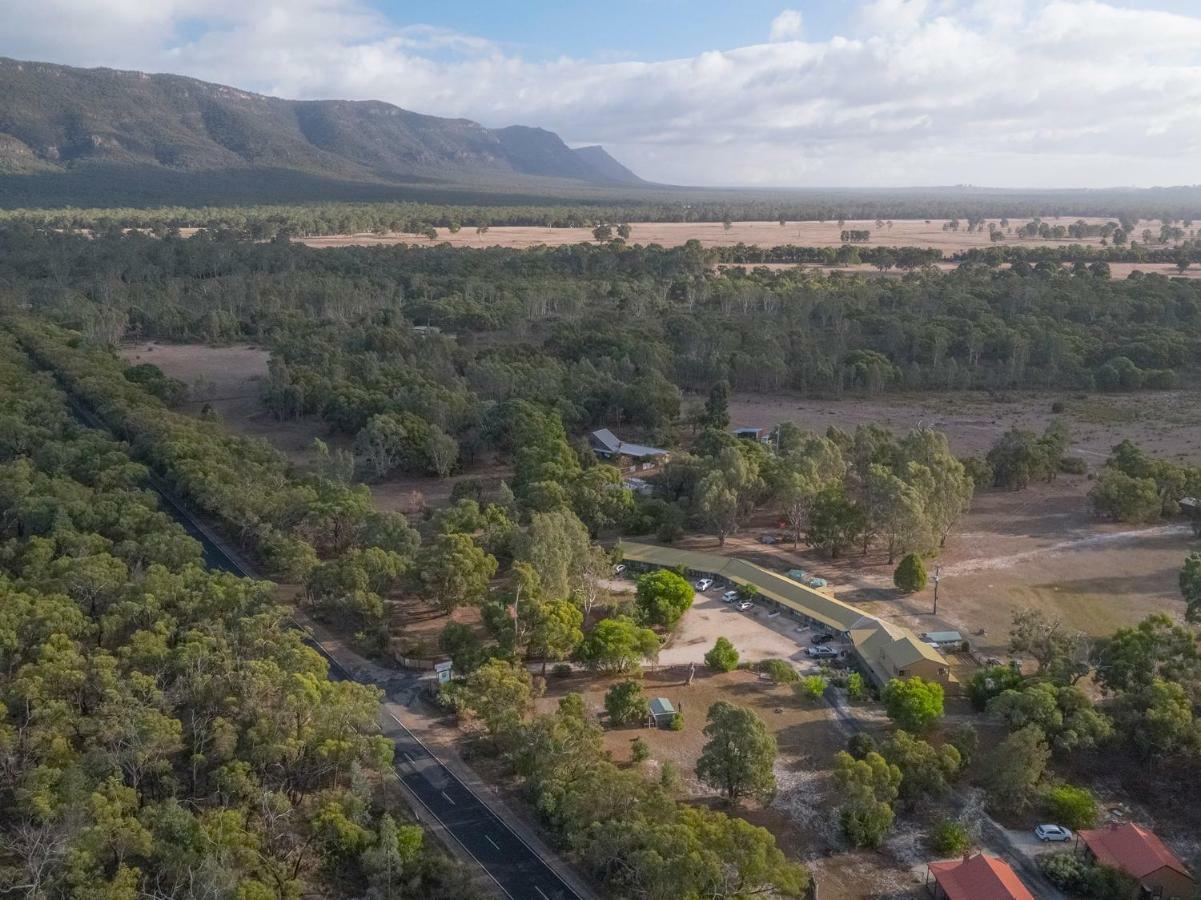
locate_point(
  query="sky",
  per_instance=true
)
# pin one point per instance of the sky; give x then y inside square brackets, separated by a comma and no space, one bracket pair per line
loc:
[805,93]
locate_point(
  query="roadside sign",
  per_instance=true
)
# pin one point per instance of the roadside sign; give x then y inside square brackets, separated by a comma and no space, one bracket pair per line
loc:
[444,671]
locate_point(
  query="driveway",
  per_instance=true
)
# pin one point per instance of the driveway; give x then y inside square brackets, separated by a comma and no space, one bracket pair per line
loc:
[755,634]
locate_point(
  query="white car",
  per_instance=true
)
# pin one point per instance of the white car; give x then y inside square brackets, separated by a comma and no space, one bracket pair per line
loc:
[1052,833]
[619,568]
[745,605]
[821,651]
[729,596]
[704,584]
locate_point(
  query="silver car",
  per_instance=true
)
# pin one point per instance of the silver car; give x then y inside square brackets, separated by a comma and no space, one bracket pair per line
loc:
[1052,833]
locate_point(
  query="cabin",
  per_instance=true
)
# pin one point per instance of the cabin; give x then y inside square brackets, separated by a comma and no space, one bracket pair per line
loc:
[752,433]
[662,713]
[979,877]
[625,456]
[1139,853]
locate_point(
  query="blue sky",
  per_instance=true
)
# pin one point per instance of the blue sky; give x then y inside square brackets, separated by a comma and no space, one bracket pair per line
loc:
[620,29]
[1008,93]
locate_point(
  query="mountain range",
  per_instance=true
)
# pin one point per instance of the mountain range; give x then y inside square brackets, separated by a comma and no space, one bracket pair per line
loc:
[61,120]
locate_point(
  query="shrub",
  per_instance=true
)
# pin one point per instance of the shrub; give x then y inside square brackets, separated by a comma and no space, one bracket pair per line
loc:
[990,682]
[626,704]
[1073,465]
[1066,871]
[913,703]
[561,670]
[856,686]
[779,671]
[1073,875]
[811,687]
[861,744]
[723,657]
[963,737]
[1074,807]
[979,470]
[910,575]
[950,838]
[639,750]
[1058,407]
[677,722]
[663,597]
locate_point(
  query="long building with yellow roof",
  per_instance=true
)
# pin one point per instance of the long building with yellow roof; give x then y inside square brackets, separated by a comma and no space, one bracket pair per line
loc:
[884,649]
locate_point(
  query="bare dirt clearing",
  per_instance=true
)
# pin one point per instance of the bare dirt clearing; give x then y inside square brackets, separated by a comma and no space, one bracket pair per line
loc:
[903,233]
[230,380]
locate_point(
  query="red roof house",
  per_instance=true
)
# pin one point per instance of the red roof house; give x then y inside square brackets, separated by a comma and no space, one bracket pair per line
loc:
[1140,854]
[979,877]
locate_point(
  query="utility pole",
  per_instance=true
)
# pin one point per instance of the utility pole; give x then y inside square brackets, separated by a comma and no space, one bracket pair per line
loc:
[937,579]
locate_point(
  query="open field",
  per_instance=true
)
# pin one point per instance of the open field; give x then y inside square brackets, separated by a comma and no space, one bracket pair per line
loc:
[1037,547]
[904,233]
[1117,270]
[230,380]
[1165,423]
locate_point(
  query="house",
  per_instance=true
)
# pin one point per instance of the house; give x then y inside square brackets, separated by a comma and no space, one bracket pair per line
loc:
[662,713]
[1137,851]
[762,435]
[890,651]
[979,877]
[884,650]
[627,457]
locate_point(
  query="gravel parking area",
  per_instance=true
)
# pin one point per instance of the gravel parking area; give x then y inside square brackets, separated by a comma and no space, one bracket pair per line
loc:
[754,634]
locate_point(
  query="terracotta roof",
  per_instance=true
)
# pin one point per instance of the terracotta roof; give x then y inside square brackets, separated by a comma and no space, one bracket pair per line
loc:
[979,877]
[1133,849]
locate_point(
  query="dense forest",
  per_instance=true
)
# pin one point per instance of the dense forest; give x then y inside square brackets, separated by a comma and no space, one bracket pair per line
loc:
[610,333]
[163,732]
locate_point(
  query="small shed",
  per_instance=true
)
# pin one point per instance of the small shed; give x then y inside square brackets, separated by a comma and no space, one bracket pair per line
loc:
[662,712]
[943,638]
[753,433]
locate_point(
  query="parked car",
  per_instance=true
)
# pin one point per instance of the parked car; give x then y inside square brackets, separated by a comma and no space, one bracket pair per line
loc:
[729,596]
[822,651]
[821,638]
[704,584]
[1052,833]
[745,605]
[619,568]
[768,539]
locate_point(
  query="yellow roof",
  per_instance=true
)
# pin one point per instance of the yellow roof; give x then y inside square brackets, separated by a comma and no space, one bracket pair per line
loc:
[885,647]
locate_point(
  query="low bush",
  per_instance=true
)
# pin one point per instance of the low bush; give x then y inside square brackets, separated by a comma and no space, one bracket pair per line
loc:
[1074,807]
[779,671]
[950,838]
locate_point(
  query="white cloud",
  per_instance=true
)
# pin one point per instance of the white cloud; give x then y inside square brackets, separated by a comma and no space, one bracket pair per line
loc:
[787,26]
[1040,93]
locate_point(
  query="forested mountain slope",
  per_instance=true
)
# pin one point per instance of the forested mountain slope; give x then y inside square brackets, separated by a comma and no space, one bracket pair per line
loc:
[59,118]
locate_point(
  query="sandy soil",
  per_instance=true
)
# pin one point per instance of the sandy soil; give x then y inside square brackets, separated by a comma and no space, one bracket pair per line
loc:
[756,635]
[904,233]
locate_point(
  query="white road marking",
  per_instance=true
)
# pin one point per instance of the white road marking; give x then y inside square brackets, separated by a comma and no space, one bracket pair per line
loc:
[447,798]
[540,894]
[492,842]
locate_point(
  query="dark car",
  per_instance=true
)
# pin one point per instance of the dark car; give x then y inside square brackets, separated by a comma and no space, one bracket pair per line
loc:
[821,638]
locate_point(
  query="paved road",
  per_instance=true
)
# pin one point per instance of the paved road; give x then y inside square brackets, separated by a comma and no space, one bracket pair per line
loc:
[516,868]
